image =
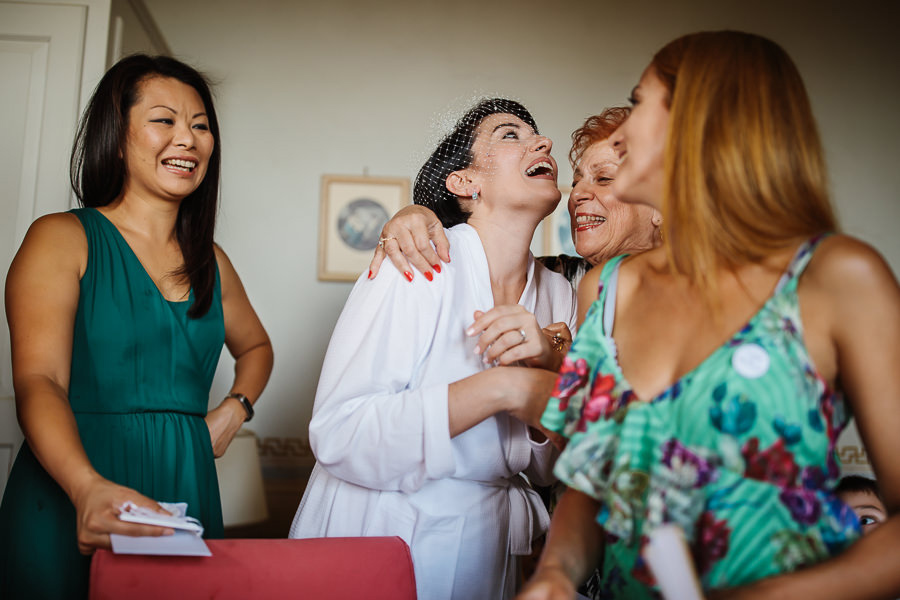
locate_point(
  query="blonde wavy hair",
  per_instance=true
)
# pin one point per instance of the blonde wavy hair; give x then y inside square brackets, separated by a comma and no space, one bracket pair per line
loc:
[744,168]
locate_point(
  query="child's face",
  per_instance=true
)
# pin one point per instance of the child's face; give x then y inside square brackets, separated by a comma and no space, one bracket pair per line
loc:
[868,508]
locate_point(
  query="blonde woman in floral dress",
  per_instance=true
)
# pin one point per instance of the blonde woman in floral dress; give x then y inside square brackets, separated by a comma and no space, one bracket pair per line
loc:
[708,384]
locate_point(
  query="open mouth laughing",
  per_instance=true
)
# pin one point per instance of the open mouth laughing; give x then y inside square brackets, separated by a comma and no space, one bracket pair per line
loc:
[583,222]
[180,164]
[541,168]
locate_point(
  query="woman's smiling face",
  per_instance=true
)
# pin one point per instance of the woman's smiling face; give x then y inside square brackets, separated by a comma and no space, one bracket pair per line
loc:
[512,161]
[602,225]
[640,143]
[169,143]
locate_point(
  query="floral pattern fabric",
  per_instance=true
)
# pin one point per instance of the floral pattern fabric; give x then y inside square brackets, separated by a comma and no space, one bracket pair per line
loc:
[740,452]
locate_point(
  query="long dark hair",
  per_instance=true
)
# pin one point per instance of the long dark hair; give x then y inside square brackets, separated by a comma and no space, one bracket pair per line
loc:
[97,168]
[454,153]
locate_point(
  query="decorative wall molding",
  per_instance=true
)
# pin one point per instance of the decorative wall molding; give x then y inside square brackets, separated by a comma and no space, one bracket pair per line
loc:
[280,452]
[285,458]
[290,449]
[851,454]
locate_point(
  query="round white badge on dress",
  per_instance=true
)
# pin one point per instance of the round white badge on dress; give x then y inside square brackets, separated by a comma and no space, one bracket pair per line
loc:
[750,361]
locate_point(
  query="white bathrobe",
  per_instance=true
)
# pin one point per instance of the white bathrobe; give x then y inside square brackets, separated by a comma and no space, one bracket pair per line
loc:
[386,464]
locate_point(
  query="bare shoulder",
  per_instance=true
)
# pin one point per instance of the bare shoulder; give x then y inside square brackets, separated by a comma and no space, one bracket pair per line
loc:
[222,259]
[63,227]
[638,268]
[58,238]
[845,265]
[227,274]
[47,268]
[588,285]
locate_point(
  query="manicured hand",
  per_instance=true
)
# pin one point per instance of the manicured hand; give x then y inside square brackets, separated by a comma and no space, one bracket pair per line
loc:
[408,238]
[508,334]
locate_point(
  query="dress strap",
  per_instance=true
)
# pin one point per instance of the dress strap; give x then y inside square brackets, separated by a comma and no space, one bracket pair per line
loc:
[609,283]
[791,275]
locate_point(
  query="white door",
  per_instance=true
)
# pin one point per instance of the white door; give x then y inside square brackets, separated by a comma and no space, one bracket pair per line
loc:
[41,57]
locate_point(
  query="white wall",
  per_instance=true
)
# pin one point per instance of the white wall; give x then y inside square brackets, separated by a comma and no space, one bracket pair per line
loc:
[132,29]
[349,86]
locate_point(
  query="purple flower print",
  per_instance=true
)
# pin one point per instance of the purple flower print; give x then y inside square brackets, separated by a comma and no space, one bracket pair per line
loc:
[813,478]
[674,450]
[788,326]
[803,504]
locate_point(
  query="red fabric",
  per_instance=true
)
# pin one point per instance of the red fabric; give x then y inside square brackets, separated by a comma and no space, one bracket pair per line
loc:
[329,568]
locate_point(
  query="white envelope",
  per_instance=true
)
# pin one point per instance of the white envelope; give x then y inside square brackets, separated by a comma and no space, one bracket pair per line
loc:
[186,541]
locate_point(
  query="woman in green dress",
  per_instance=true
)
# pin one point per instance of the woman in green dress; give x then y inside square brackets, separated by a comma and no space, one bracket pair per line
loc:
[117,315]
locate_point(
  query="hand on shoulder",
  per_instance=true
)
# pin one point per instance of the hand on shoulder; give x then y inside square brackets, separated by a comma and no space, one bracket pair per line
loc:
[407,238]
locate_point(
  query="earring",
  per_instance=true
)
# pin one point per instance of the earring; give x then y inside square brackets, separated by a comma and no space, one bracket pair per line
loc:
[474,195]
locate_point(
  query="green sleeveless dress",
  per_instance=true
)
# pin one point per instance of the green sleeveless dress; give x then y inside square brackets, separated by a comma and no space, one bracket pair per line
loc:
[140,380]
[740,452]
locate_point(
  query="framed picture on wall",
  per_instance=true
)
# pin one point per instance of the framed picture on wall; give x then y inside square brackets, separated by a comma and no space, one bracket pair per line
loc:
[353,211]
[558,230]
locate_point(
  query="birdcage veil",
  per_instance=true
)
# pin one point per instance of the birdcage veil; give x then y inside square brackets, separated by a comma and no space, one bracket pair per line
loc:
[453,152]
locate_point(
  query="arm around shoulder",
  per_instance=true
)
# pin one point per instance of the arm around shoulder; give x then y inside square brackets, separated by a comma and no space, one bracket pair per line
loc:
[408,237]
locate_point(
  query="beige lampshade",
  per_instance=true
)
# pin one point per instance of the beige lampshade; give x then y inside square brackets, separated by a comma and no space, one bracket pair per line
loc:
[241,483]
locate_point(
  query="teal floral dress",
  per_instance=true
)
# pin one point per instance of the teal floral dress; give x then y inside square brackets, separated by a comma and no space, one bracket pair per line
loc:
[740,452]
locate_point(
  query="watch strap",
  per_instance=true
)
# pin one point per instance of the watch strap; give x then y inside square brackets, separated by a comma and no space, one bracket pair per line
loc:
[245,402]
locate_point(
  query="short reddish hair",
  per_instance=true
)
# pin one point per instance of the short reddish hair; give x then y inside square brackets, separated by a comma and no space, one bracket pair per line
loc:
[596,129]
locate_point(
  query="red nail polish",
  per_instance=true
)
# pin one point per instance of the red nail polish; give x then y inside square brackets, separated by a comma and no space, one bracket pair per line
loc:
[408,275]
[370,273]
[437,268]
[428,275]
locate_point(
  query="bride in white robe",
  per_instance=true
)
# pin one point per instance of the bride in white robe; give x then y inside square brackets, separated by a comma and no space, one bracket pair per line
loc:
[416,433]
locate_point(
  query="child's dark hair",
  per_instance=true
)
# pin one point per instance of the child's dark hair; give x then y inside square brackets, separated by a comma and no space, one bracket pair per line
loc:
[857,483]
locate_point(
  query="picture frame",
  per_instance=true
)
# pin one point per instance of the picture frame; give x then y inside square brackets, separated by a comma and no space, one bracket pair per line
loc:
[352,211]
[557,229]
